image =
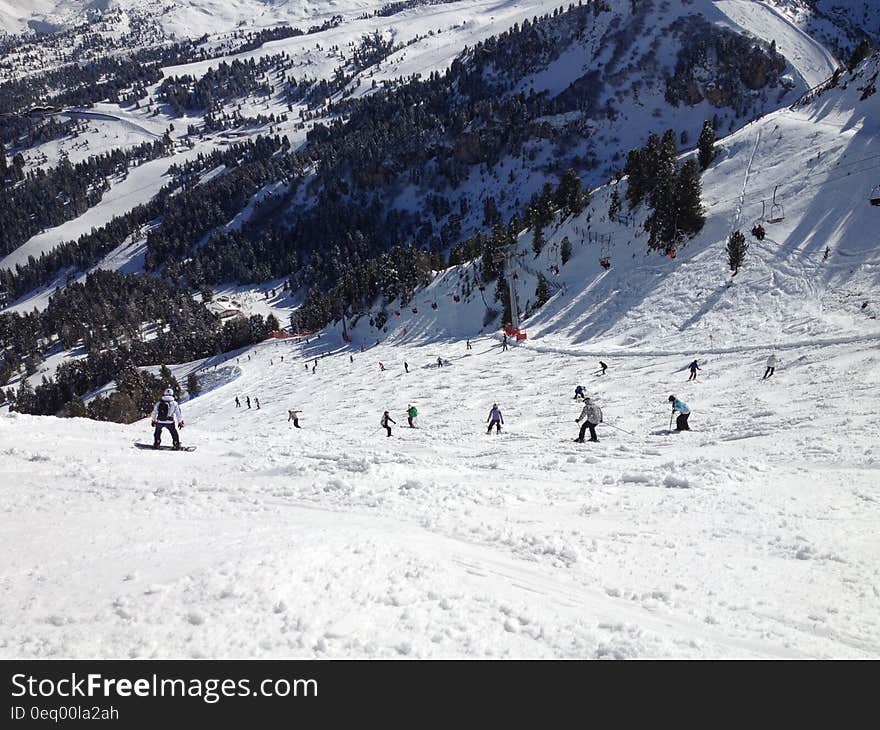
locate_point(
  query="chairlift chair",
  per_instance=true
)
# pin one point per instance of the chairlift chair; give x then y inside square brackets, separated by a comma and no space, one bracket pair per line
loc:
[777,211]
[605,257]
[874,198]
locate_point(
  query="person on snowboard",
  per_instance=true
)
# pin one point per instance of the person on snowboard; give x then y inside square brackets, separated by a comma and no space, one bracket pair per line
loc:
[411,414]
[579,392]
[291,416]
[684,411]
[693,368]
[495,419]
[165,414]
[386,419]
[771,366]
[592,417]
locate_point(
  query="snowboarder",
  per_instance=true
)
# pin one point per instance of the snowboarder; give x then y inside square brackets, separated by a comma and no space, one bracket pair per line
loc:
[247,399]
[291,416]
[603,366]
[257,401]
[237,402]
[592,417]
[469,345]
[693,368]
[771,366]
[827,253]
[495,419]
[406,366]
[579,392]
[681,423]
[381,367]
[165,414]
[386,419]
[504,344]
[411,413]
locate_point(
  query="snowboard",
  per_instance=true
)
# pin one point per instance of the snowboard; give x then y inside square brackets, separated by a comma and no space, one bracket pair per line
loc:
[149,447]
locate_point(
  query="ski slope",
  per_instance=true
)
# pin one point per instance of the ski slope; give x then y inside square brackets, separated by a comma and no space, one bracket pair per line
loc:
[754,535]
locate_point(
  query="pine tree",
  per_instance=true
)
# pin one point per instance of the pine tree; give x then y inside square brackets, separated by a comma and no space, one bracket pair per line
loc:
[706,145]
[861,52]
[688,192]
[169,381]
[565,251]
[192,384]
[538,240]
[737,246]
[614,205]
[569,195]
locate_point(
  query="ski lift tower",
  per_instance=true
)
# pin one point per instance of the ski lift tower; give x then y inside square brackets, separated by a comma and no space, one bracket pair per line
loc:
[509,256]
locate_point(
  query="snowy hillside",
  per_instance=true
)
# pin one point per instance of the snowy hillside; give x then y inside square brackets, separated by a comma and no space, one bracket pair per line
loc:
[753,535]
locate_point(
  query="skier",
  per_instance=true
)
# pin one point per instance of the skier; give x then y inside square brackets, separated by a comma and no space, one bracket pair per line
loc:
[504,344]
[469,345]
[693,368]
[307,366]
[681,423]
[291,416]
[406,366]
[579,392]
[771,366]
[386,419]
[411,413]
[603,366]
[439,362]
[257,401]
[592,417]
[315,366]
[351,358]
[237,402]
[247,399]
[381,368]
[495,419]
[165,413]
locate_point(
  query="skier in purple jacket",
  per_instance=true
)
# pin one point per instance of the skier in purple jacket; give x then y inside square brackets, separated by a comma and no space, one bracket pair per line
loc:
[495,419]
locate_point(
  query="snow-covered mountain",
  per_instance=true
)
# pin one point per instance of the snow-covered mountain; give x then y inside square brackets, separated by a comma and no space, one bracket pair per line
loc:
[752,535]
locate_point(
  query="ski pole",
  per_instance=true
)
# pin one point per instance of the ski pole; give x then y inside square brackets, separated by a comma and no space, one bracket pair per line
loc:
[619,429]
[671,416]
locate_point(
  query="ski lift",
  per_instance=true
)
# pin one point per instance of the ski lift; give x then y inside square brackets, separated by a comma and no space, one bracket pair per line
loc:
[456,298]
[415,311]
[777,212]
[604,241]
[433,305]
[874,198]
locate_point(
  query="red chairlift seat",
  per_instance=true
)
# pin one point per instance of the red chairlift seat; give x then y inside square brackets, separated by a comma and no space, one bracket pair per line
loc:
[605,263]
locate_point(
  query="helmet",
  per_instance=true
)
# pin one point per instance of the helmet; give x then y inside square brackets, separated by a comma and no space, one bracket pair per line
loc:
[672,399]
[169,391]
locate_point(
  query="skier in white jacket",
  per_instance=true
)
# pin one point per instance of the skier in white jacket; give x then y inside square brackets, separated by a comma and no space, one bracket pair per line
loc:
[166,413]
[592,417]
[771,366]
